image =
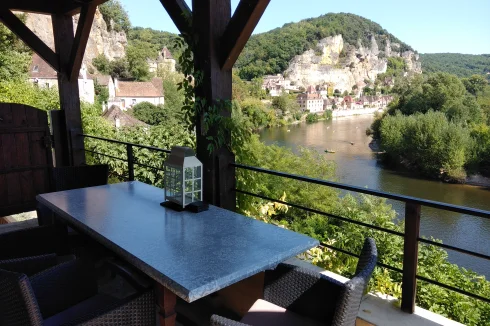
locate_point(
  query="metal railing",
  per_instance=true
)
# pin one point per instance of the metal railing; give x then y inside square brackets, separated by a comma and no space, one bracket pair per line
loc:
[411,234]
[130,159]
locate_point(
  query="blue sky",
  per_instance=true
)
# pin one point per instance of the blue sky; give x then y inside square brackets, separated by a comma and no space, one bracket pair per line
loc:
[429,26]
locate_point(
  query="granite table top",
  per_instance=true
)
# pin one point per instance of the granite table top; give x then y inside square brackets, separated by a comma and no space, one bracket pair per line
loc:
[191,254]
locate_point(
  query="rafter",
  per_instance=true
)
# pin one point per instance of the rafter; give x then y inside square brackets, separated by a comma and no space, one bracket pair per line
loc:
[81,38]
[25,34]
[239,30]
[180,13]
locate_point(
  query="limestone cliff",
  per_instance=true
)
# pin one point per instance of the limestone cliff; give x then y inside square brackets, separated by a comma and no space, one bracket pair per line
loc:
[340,65]
[111,43]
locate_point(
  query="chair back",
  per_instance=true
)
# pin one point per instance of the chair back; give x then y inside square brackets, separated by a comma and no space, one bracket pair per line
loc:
[74,177]
[353,290]
[17,300]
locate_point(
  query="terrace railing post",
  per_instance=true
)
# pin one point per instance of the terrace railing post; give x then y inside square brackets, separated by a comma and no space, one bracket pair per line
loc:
[129,150]
[410,256]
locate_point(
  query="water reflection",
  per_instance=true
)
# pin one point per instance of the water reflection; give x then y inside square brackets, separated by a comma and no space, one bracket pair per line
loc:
[357,165]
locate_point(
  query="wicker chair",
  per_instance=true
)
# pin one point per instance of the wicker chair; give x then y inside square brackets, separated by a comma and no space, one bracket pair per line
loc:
[73,177]
[67,294]
[33,242]
[297,296]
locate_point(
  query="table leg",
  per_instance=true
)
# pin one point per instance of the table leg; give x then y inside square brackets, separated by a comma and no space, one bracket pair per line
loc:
[166,301]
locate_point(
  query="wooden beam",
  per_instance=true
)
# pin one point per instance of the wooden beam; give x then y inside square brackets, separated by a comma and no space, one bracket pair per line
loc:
[210,19]
[25,34]
[180,13]
[41,6]
[239,30]
[68,90]
[75,7]
[81,38]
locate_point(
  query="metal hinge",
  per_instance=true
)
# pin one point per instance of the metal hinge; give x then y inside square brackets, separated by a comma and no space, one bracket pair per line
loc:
[48,141]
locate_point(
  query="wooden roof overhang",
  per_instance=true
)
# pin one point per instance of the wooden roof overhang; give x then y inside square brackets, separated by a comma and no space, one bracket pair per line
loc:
[86,9]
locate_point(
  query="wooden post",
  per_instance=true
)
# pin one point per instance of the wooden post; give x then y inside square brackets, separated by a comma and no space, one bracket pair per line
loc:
[410,257]
[210,19]
[68,89]
[166,301]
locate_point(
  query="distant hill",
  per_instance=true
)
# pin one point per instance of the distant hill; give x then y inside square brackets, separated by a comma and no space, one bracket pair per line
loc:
[271,52]
[462,65]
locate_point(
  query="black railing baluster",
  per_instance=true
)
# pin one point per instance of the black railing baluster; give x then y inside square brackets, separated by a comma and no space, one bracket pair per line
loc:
[129,150]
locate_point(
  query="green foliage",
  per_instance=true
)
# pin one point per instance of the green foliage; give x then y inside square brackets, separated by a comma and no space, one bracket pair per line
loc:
[101,92]
[137,54]
[461,65]
[256,111]
[23,92]
[285,103]
[115,16]
[156,39]
[102,64]
[264,55]
[475,84]
[15,57]
[312,117]
[432,144]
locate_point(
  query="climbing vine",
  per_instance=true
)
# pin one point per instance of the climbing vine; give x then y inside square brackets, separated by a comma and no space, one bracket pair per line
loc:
[215,126]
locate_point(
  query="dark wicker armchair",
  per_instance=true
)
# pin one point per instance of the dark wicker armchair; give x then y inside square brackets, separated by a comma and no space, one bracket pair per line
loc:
[33,242]
[73,177]
[67,294]
[297,296]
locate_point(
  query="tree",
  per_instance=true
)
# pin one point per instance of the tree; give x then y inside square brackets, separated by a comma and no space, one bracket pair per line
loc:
[102,64]
[137,55]
[115,16]
[120,68]
[475,84]
[15,57]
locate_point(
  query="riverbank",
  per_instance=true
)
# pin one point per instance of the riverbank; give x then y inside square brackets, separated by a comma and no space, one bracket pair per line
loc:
[358,165]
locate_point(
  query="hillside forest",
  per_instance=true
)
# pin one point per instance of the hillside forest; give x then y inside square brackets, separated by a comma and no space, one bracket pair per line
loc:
[427,108]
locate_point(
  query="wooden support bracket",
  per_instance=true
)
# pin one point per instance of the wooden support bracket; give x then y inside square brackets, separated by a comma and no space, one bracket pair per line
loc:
[25,34]
[239,30]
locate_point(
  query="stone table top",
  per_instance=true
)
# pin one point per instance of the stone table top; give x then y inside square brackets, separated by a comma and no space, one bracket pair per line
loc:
[191,254]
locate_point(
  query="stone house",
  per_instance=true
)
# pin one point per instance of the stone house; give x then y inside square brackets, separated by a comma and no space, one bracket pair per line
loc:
[276,84]
[41,74]
[165,60]
[310,102]
[129,93]
[348,102]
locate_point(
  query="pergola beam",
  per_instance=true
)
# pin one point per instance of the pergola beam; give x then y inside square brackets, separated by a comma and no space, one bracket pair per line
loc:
[81,38]
[50,7]
[239,30]
[180,13]
[25,34]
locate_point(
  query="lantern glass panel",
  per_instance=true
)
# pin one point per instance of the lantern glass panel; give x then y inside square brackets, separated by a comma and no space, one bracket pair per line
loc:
[197,172]
[188,186]
[197,184]
[197,196]
[188,199]
[188,173]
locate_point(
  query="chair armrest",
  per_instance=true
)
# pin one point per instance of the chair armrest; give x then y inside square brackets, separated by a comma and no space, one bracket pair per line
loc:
[303,291]
[63,286]
[29,265]
[222,321]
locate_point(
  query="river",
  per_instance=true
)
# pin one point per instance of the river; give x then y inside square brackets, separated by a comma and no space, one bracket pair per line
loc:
[357,165]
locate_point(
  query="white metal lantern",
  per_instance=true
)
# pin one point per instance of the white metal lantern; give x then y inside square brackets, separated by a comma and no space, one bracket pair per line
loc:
[183,177]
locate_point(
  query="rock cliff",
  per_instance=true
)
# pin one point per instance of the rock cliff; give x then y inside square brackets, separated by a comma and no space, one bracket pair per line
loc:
[111,43]
[340,65]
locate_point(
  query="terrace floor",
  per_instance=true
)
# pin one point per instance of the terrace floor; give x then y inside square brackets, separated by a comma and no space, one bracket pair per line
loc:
[376,309]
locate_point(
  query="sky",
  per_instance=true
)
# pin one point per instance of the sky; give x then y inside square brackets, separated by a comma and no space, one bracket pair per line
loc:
[429,26]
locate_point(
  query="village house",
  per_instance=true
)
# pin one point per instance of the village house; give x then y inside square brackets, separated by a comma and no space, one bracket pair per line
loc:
[310,102]
[165,61]
[276,85]
[348,102]
[42,75]
[130,93]
[118,118]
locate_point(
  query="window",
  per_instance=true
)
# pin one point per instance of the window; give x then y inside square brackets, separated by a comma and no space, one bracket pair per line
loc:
[133,101]
[36,68]
[46,85]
